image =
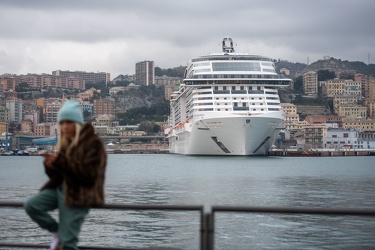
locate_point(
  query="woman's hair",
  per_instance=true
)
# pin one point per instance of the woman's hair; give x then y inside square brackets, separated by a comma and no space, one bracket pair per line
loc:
[65,144]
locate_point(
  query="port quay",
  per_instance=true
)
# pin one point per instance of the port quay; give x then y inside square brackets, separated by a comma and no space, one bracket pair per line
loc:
[160,146]
[113,144]
[321,152]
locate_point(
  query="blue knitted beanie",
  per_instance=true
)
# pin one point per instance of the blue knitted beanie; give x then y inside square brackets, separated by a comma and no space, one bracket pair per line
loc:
[70,111]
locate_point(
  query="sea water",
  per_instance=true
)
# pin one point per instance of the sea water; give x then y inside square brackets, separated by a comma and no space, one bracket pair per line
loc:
[167,179]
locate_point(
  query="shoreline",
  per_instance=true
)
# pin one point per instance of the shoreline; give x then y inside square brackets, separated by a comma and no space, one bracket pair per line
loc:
[317,153]
[280,153]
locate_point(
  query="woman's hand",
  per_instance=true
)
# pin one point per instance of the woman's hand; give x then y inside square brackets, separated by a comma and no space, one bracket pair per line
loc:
[49,159]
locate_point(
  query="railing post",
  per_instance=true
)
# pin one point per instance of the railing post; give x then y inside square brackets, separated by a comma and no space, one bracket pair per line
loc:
[209,232]
[203,231]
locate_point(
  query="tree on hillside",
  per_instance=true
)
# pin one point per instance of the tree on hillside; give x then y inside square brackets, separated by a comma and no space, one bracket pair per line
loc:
[149,127]
[346,76]
[22,87]
[174,72]
[156,113]
[324,75]
[99,86]
[298,84]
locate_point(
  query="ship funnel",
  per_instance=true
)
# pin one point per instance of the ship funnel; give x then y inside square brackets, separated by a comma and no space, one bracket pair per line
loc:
[228,45]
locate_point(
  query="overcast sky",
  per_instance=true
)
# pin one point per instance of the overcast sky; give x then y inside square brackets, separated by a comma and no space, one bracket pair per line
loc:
[39,36]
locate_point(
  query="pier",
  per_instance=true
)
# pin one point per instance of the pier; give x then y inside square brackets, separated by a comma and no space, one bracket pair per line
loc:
[321,153]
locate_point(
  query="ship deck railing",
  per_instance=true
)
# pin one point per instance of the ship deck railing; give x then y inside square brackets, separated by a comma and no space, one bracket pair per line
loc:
[207,219]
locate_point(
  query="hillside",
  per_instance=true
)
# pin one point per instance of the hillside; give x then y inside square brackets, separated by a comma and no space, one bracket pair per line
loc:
[336,65]
[296,69]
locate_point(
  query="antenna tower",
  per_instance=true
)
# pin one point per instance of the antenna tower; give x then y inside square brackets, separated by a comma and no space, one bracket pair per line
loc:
[308,60]
[368,59]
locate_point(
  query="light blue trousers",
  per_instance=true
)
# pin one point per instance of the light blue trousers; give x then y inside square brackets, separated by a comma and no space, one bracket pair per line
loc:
[70,218]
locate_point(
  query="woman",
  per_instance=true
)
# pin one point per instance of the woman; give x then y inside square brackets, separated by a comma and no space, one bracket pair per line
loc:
[76,179]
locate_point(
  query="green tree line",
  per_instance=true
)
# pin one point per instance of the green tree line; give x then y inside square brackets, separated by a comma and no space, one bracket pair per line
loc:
[155,113]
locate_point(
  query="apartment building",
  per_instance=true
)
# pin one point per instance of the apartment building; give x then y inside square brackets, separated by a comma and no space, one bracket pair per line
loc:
[4,114]
[366,140]
[314,135]
[37,81]
[45,129]
[15,107]
[2,96]
[167,80]
[168,91]
[87,77]
[34,117]
[338,87]
[323,119]
[295,126]
[73,82]
[10,94]
[27,126]
[340,138]
[51,111]
[353,88]
[87,106]
[364,80]
[32,80]
[290,115]
[361,124]
[8,83]
[310,83]
[51,107]
[352,111]
[370,91]
[104,106]
[52,81]
[370,105]
[3,127]
[145,73]
[105,124]
[344,100]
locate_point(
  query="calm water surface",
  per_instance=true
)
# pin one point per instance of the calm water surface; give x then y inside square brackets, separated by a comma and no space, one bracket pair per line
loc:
[332,182]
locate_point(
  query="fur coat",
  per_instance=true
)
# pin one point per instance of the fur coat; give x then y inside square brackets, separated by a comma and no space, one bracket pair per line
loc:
[81,172]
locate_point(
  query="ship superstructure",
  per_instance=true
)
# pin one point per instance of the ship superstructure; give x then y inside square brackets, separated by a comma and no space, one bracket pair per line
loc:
[228,104]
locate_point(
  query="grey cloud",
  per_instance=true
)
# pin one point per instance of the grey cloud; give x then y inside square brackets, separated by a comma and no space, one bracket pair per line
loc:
[171,31]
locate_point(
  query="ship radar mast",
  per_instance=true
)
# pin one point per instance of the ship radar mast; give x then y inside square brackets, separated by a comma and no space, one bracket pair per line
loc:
[228,45]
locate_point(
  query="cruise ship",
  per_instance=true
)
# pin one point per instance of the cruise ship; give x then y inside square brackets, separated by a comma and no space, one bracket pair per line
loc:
[228,104]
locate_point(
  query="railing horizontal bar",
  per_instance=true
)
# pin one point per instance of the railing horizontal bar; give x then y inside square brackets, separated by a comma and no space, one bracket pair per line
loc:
[124,206]
[152,207]
[287,210]
[9,245]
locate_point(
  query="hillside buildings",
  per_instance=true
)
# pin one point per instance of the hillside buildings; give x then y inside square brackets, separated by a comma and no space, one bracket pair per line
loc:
[144,73]
[104,106]
[15,107]
[351,124]
[88,77]
[310,83]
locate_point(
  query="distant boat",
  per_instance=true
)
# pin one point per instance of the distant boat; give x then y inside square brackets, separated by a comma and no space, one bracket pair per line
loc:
[8,153]
[23,153]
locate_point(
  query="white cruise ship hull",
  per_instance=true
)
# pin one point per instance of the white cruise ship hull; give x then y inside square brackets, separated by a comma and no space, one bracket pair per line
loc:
[245,135]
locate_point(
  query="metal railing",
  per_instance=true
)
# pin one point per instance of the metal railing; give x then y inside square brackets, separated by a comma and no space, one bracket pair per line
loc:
[199,209]
[207,220]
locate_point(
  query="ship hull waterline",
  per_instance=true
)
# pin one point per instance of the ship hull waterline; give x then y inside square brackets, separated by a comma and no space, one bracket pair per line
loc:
[242,136]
